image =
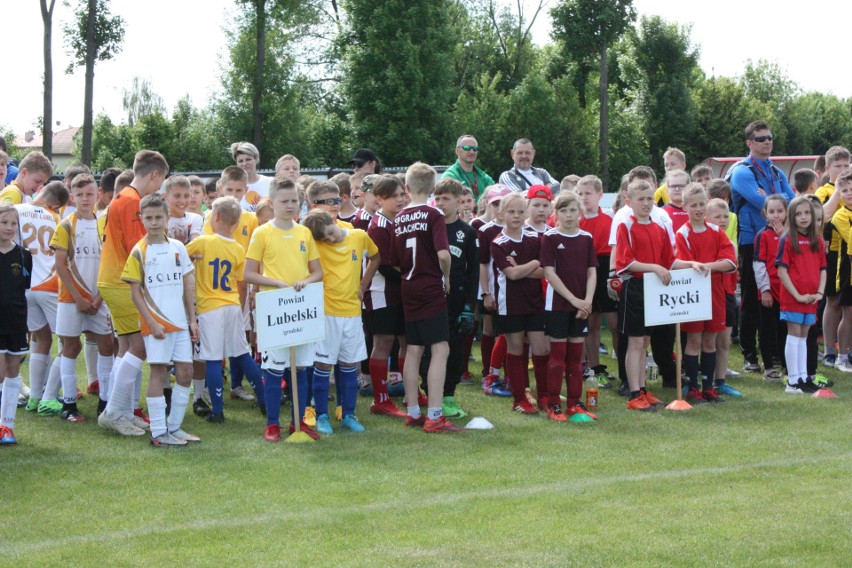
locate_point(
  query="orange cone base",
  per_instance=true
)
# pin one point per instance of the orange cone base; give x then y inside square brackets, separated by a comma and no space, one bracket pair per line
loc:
[679,405]
[824,393]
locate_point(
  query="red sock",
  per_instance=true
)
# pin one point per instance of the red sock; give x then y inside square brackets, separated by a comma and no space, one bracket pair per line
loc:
[542,391]
[555,370]
[517,373]
[575,373]
[527,355]
[379,379]
[498,354]
[486,346]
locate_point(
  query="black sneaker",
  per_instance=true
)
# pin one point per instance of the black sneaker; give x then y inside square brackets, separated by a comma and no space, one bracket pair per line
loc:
[623,389]
[751,367]
[809,386]
[200,408]
[216,418]
[72,415]
[101,406]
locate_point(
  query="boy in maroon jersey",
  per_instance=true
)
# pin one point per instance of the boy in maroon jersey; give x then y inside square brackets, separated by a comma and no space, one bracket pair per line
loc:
[641,246]
[565,251]
[519,300]
[423,254]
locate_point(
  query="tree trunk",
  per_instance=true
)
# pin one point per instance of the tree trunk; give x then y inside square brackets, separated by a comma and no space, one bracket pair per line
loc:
[604,117]
[260,58]
[47,111]
[86,153]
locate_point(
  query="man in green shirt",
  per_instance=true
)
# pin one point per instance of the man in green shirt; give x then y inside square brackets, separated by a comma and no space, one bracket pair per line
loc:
[465,170]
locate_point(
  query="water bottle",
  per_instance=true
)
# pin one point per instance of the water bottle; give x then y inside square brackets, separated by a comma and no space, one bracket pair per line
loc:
[592,393]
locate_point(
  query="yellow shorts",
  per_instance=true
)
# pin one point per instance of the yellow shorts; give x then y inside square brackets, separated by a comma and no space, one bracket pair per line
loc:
[125,317]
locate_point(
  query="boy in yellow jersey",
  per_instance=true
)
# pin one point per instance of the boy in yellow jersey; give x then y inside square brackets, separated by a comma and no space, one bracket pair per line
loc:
[325,196]
[77,252]
[673,159]
[33,172]
[220,295]
[37,222]
[289,258]
[122,229]
[342,252]
[162,284]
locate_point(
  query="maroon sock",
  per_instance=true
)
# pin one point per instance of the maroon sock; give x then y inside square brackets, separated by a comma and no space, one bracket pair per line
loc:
[517,373]
[542,391]
[555,370]
[379,379]
[574,388]
[527,355]
[498,354]
[486,346]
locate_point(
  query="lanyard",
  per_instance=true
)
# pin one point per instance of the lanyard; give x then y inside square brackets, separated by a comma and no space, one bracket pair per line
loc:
[519,174]
[769,178]
[475,185]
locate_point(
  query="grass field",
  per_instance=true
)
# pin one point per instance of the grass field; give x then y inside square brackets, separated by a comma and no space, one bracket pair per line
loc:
[759,481]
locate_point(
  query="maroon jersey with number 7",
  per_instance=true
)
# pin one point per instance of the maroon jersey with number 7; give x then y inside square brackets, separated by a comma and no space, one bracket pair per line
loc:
[419,233]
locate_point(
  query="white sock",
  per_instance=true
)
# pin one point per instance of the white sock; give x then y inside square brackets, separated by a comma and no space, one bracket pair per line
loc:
[121,400]
[197,388]
[137,390]
[105,364]
[38,373]
[90,352]
[414,411]
[791,354]
[803,359]
[157,415]
[434,413]
[9,405]
[68,372]
[115,363]
[180,400]
[51,388]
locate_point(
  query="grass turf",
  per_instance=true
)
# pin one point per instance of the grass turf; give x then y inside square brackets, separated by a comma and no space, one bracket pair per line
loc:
[758,481]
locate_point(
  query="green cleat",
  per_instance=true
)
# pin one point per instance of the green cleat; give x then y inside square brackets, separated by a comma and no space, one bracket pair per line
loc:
[822,381]
[451,408]
[32,404]
[49,408]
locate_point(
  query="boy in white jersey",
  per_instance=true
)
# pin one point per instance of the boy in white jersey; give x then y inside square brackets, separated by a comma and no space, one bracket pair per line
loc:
[77,251]
[183,224]
[162,285]
[37,222]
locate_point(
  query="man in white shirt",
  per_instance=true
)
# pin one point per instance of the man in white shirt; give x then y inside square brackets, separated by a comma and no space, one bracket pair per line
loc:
[523,175]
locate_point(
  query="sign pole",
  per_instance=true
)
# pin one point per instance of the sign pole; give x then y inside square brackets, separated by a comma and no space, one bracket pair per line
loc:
[297,437]
[678,403]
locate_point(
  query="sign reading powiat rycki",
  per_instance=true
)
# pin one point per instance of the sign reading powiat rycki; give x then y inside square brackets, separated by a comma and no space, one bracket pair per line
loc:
[285,317]
[688,297]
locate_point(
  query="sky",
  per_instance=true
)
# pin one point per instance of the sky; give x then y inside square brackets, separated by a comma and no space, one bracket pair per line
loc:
[178,45]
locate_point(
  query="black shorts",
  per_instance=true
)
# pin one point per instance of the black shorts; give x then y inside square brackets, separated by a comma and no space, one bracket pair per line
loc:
[602,303]
[831,273]
[631,309]
[14,344]
[518,323]
[562,325]
[844,276]
[844,295]
[428,331]
[385,321]
[731,311]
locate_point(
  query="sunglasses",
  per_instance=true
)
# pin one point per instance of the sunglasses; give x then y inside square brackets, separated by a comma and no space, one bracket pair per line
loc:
[468,148]
[329,201]
[768,137]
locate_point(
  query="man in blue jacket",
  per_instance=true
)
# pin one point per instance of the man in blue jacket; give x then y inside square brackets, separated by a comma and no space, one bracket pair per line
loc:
[752,179]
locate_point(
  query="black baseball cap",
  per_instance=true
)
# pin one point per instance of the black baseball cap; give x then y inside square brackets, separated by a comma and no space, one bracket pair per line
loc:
[362,156]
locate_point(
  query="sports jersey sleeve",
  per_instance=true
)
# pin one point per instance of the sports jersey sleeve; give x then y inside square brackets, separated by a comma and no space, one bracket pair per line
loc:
[133,267]
[368,246]
[785,253]
[10,195]
[547,257]
[726,248]
[62,236]
[624,254]
[498,256]
[256,246]
[682,247]
[185,263]
[313,251]
[842,222]
[761,276]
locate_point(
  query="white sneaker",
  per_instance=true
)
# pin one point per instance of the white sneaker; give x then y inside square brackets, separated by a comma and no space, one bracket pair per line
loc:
[241,393]
[730,373]
[185,436]
[138,422]
[166,440]
[25,391]
[120,425]
[843,366]
[793,389]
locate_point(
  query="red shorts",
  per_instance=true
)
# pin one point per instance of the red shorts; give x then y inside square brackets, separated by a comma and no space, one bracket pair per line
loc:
[715,323]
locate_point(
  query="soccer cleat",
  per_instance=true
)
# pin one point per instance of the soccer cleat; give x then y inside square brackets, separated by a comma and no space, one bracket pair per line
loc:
[751,367]
[582,407]
[272,433]
[466,379]
[639,403]
[829,360]
[240,393]
[22,401]
[441,424]
[728,390]
[32,405]
[167,441]
[72,415]
[94,387]
[731,374]
[451,409]
[200,408]
[49,408]
[529,395]
[712,395]
[604,380]
[140,414]
[311,417]
[772,376]
[324,424]
[418,422]
[602,349]
[588,372]
[652,400]
[694,396]
[25,390]
[306,429]
[387,408]
[139,422]
[497,388]
[843,366]
[338,413]
[623,389]
[216,418]
[822,381]
[422,399]
[7,436]
[525,407]
[121,425]
[185,436]
[796,388]
[555,413]
[350,422]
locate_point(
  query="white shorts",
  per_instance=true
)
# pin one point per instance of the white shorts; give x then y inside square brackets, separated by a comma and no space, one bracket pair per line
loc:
[71,322]
[344,341]
[220,334]
[41,310]
[176,347]
[277,360]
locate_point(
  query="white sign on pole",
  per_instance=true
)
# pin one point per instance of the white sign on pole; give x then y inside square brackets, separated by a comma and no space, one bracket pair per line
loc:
[285,317]
[688,297]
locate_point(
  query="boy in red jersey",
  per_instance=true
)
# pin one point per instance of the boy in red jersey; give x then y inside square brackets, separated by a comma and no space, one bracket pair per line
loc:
[424,260]
[676,182]
[707,244]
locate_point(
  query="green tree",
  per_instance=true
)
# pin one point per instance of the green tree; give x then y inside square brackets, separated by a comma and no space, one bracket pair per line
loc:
[112,145]
[141,100]
[814,122]
[93,35]
[200,142]
[586,29]
[47,106]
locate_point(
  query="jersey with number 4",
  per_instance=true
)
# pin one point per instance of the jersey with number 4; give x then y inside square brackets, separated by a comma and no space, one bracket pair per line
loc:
[37,225]
[217,272]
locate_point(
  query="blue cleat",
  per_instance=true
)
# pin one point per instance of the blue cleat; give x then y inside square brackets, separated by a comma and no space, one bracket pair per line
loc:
[324,424]
[351,423]
[728,390]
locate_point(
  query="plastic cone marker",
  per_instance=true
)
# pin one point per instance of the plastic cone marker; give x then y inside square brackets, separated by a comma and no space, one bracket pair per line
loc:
[297,437]
[824,393]
[479,423]
[581,417]
[678,405]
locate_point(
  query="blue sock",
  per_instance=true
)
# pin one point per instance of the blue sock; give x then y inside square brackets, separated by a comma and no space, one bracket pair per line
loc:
[236,371]
[272,396]
[302,377]
[252,373]
[320,391]
[348,384]
[338,393]
[213,376]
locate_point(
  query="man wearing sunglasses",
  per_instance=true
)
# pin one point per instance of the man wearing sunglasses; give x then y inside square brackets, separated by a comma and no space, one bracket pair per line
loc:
[523,175]
[465,170]
[752,179]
